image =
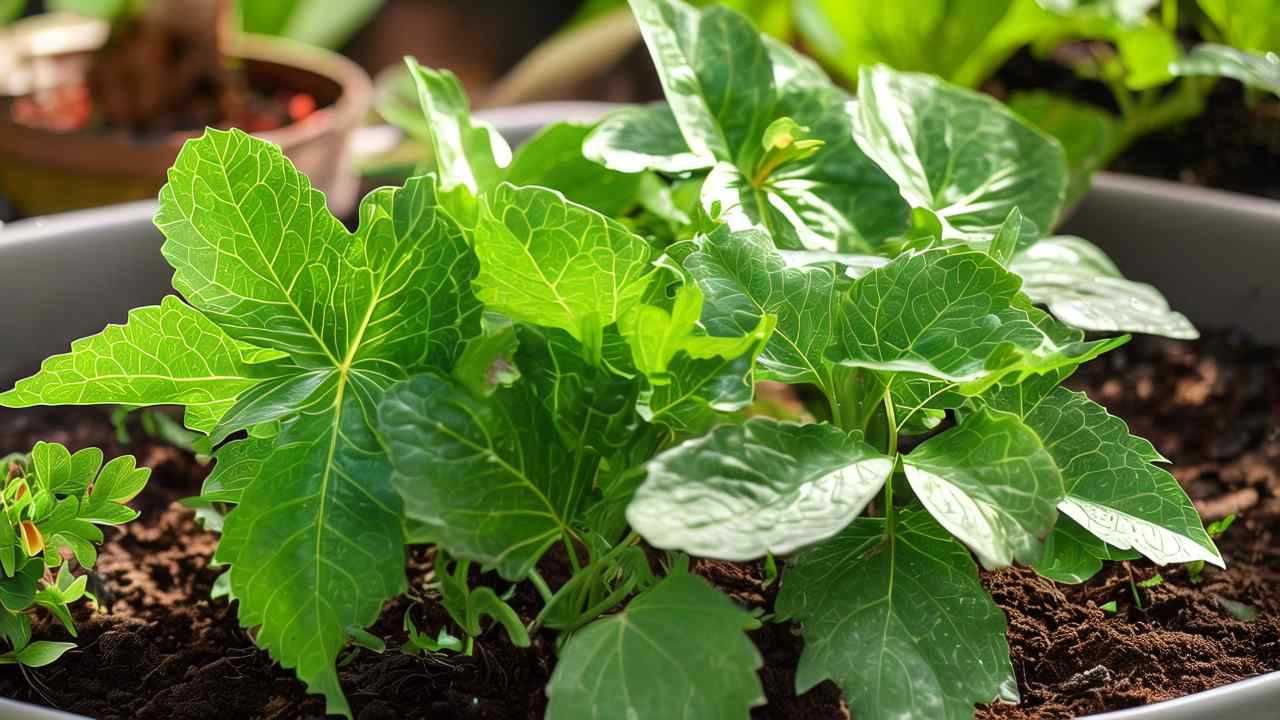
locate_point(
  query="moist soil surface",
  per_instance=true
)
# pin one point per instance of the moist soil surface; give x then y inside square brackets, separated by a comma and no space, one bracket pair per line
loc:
[161,648]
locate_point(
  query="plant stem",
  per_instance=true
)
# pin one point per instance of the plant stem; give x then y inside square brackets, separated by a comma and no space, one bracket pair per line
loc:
[543,589]
[891,448]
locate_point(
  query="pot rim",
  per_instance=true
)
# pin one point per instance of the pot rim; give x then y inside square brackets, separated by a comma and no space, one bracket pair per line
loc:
[118,154]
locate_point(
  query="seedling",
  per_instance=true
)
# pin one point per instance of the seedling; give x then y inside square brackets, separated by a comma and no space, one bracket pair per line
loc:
[52,504]
[499,363]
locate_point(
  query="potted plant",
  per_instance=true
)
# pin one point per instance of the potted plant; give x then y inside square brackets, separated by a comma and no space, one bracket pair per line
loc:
[551,369]
[93,112]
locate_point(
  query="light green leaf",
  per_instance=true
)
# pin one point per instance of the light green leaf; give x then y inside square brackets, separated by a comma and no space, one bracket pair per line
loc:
[657,335]
[1261,71]
[1249,25]
[635,139]
[991,483]
[958,153]
[745,279]
[201,368]
[554,159]
[763,487]
[119,482]
[1083,288]
[469,153]
[43,652]
[698,390]
[900,622]
[955,317]
[314,22]
[489,478]
[257,251]
[716,74]
[933,36]
[1005,242]
[1113,489]
[550,262]
[678,650]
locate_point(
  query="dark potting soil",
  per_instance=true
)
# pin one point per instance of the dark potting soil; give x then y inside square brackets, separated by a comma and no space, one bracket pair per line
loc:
[162,649]
[1232,145]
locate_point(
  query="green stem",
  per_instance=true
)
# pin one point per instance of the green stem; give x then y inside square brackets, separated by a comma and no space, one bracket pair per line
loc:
[591,613]
[892,450]
[543,589]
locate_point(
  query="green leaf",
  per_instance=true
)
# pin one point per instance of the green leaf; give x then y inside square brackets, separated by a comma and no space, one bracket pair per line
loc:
[18,591]
[958,153]
[489,478]
[716,74]
[591,407]
[835,199]
[554,159]
[635,139]
[933,36]
[698,390]
[955,317]
[1249,25]
[202,368]
[677,650]
[991,483]
[1252,69]
[657,335]
[899,621]
[256,250]
[308,21]
[43,652]
[550,262]
[1083,288]
[469,153]
[1088,134]
[726,86]
[1005,242]
[744,279]
[62,473]
[1113,489]
[118,483]
[764,487]
[1071,554]
[315,545]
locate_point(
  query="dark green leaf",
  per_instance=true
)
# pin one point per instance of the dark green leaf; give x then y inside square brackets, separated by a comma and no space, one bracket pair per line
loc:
[554,159]
[899,621]
[678,650]
[489,478]
[955,317]
[1113,488]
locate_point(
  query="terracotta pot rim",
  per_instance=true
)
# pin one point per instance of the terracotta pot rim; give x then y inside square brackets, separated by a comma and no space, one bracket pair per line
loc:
[120,155]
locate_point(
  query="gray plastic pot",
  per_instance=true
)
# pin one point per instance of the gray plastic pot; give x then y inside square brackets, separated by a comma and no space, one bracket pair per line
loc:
[1215,255]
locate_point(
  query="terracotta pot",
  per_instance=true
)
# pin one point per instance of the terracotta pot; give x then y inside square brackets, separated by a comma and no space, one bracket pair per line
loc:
[44,172]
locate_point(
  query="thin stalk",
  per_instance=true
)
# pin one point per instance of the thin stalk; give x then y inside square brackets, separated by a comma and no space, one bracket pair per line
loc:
[541,585]
[891,447]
